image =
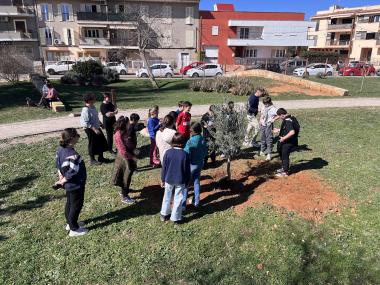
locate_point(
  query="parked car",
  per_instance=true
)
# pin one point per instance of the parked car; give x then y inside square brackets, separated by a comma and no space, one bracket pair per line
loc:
[186,68]
[59,67]
[274,67]
[206,70]
[121,68]
[358,69]
[314,69]
[290,65]
[158,70]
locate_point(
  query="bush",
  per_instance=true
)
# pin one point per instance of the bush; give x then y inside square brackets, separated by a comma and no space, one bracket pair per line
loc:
[207,85]
[88,69]
[195,85]
[110,76]
[223,84]
[243,86]
[72,77]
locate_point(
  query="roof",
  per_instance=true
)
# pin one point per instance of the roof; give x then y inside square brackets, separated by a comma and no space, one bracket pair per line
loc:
[220,7]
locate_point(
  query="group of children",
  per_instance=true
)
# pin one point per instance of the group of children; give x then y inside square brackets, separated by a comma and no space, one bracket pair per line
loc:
[180,147]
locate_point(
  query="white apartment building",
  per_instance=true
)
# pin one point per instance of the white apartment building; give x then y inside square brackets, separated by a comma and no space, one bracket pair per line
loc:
[351,32]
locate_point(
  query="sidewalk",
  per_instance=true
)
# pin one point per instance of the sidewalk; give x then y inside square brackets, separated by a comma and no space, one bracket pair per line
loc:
[20,129]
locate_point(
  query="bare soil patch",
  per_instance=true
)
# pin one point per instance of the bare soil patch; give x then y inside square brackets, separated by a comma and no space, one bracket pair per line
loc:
[281,88]
[303,193]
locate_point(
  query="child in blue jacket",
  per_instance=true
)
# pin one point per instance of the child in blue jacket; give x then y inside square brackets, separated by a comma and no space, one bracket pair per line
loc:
[153,125]
[197,148]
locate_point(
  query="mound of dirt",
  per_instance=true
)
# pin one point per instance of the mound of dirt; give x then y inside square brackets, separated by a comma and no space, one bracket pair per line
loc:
[279,89]
[303,193]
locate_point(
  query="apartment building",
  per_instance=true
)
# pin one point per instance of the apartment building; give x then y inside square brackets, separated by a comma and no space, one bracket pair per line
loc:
[231,37]
[351,32]
[73,29]
[18,27]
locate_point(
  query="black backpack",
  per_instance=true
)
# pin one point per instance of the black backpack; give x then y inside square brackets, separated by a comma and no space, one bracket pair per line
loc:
[296,125]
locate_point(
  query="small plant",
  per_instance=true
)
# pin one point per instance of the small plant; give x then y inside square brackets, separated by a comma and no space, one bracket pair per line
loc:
[88,69]
[243,86]
[72,77]
[110,76]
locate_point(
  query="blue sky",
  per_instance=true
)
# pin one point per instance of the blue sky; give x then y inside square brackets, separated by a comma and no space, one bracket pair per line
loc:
[309,7]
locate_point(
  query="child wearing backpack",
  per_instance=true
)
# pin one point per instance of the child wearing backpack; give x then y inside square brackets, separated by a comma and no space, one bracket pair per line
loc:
[288,140]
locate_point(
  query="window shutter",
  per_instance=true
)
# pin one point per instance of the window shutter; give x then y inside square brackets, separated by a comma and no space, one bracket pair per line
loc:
[117,9]
[39,12]
[59,12]
[51,13]
[83,7]
[71,14]
[65,37]
[74,36]
[98,9]
[189,15]
[167,14]
[42,36]
[189,38]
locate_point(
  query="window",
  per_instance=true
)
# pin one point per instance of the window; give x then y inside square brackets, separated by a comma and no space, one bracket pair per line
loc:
[250,53]
[280,53]
[244,33]
[91,33]
[317,26]
[91,8]
[48,36]
[215,31]
[69,37]
[189,15]
[45,12]
[167,14]
[66,11]
[370,36]
[121,8]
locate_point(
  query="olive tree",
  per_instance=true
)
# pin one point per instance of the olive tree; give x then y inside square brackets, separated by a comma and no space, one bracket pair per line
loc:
[230,126]
[13,64]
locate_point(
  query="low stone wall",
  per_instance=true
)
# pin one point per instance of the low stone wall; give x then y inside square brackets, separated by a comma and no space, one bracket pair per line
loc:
[325,89]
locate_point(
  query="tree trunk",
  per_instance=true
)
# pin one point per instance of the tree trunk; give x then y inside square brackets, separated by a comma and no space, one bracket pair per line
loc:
[150,74]
[229,168]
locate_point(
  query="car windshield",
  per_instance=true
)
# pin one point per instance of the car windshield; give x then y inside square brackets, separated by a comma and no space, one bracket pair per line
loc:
[352,64]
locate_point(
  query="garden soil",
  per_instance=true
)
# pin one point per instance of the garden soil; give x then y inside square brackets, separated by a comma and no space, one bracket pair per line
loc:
[281,88]
[254,184]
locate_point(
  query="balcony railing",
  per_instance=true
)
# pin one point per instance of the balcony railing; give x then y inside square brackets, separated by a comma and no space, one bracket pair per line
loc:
[253,61]
[17,36]
[94,42]
[339,27]
[14,10]
[123,42]
[338,43]
[101,17]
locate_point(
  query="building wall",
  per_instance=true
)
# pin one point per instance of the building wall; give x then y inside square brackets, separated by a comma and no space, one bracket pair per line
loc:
[208,19]
[176,27]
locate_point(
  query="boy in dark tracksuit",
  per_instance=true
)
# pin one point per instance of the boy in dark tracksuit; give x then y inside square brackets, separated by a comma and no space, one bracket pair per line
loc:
[72,177]
[288,140]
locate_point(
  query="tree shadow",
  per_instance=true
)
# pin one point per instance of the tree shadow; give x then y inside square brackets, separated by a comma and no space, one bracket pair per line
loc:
[16,184]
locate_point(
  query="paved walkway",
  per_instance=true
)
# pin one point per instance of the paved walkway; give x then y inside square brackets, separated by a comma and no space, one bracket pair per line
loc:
[20,129]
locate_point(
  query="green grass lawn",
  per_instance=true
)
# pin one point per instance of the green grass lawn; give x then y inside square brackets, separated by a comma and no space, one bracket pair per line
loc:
[138,94]
[129,245]
[352,84]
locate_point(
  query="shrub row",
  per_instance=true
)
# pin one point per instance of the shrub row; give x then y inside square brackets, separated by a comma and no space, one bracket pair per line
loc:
[240,86]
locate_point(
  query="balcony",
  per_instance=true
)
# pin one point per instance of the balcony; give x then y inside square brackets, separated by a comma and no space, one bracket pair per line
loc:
[17,36]
[101,17]
[94,42]
[378,42]
[339,27]
[16,11]
[341,43]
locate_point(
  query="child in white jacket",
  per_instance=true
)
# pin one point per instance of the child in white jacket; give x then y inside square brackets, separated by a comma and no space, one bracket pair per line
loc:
[165,135]
[268,116]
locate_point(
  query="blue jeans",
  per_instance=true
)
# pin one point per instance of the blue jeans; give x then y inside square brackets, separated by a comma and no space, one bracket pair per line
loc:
[176,212]
[196,180]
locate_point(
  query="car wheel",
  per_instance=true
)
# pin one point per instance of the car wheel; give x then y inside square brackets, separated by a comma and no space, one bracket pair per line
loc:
[329,73]
[195,75]
[144,75]
[51,71]
[168,75]
[218,74]
[123,72]
[351,74]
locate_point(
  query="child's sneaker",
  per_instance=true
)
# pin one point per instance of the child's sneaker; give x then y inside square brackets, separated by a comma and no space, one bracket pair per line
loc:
[164,218]
[78,232]
[80,224]
[282,174]
[128,200]
[261,153]
[269,157]
[280,170]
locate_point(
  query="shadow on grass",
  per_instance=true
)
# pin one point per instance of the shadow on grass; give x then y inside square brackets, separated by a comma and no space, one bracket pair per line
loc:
[315,163]
[17,184]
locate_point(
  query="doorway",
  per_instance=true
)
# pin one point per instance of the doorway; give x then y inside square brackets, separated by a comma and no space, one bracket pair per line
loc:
[365,54]
[20,26]
[185,60]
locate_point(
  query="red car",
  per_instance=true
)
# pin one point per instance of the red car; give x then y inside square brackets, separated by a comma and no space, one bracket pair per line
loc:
[358,69]
[184,69]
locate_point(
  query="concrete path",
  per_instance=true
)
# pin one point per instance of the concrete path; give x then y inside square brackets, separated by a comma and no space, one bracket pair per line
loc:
[20,129]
